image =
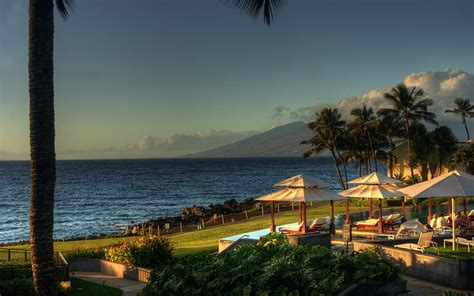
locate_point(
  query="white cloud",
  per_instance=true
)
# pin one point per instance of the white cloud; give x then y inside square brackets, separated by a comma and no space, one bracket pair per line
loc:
[441,86]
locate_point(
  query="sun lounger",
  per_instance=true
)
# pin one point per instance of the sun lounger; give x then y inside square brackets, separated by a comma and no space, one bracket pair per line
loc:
[392,220]
[471,215]
[465,242]
[292,229]
[425,241]
[319,224]
[367,224]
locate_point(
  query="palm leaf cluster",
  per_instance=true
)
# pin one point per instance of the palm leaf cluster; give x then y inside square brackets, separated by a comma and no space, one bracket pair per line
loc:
[255,7]
[465,110]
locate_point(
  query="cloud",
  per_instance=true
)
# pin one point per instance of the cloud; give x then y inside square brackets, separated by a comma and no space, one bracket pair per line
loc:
[441,86]
[187,143]
[280,111]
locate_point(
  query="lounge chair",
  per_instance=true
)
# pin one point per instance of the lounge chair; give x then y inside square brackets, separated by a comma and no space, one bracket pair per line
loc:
[292,229]
[465,242]
[392,220]
[367,224]
[318,224]
[470,216]
[425,241]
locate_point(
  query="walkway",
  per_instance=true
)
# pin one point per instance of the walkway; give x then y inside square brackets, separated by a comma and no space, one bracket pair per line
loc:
[417,287]
[129,287]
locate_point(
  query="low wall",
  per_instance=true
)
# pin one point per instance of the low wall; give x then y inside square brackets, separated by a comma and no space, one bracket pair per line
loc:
[310,239]
[456,274]
[116,269]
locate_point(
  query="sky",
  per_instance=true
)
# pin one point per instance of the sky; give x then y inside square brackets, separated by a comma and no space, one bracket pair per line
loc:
[161,78]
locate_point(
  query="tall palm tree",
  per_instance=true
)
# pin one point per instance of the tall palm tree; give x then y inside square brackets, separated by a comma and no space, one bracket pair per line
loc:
[464,109]
[391,129]
[365,120]
[42,135]
[408,105]
[327,127]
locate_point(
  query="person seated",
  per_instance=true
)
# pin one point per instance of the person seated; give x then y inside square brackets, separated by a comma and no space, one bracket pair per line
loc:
[441,222]
[433,221]
[461,220]
[449,221]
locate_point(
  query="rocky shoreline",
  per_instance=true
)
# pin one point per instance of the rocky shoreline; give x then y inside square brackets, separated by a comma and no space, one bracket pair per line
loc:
[195,214]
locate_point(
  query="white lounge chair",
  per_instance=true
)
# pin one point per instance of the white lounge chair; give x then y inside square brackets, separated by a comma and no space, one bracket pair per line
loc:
[465,242]
[319,224]
[292,229]
[425,241]
[371,223]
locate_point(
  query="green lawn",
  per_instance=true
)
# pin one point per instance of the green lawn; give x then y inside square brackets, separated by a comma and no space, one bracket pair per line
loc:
[84,288]
[199,240]
[449,253]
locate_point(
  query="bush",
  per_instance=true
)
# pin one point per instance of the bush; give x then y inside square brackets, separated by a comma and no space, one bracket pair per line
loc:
[15,287]
[271,268]
[143,252]
[10,272]
[96,253]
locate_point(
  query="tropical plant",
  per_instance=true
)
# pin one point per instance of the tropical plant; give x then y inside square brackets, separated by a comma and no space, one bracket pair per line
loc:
[391,129]
[465,110]
[464,158]
[327,127]
[365,121]
[271,269]
[145,251]
[255,7]
[408,105]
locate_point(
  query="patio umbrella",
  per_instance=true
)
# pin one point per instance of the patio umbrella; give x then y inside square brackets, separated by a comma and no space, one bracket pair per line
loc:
[301,195]
[452,184]
[373,191]
[300,181]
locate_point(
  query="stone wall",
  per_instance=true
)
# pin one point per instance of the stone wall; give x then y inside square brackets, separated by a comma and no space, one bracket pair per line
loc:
[436,269]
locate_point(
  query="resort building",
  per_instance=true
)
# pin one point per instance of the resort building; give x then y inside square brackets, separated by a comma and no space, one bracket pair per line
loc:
[399,164]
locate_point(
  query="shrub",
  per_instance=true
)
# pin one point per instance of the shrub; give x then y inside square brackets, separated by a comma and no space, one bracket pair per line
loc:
[143,252]
[16,287]
[10,272]
[97,253]
[269,268]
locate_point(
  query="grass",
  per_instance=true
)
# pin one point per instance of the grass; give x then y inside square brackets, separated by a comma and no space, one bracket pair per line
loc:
[84,288]
[449,253]
[199,240]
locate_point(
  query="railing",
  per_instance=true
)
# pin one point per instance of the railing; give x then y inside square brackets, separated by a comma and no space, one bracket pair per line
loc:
[19,260]
[263,210]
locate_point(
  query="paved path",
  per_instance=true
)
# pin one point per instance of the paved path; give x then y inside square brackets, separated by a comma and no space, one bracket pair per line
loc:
[129,287]
[417,287]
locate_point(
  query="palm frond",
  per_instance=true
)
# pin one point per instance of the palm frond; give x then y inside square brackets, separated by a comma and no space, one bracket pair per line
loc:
[63,6]
[255,7]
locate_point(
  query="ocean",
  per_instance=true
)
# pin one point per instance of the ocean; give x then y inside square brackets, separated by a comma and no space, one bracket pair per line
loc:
[101,196]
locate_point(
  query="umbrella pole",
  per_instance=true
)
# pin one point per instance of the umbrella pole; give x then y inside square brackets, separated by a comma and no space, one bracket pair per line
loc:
[465,206]
[453,206]
[404,209]
[371,208]
[380,217]
[429,210]
[272,225]
[300,213]
[304,216]
[331,215]
[348,220]
[450,205]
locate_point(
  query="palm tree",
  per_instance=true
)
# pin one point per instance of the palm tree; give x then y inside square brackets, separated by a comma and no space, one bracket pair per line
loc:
[42,135]
[327,127]
[391,129]
[409,106]
[366,121]
[464,109]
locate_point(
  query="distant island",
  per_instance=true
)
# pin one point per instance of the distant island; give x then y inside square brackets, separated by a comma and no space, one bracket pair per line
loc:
[281,141]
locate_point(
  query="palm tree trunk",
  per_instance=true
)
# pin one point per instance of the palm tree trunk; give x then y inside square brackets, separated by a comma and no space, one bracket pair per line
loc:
[467,130]
[407,129]
[344,167]
[338,172]
[372,150]
[42,151]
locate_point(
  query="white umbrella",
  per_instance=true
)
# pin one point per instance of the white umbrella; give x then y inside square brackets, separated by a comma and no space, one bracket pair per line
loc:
[373,191]
[452,184]
[301,195]
[300,181]
[375,179]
